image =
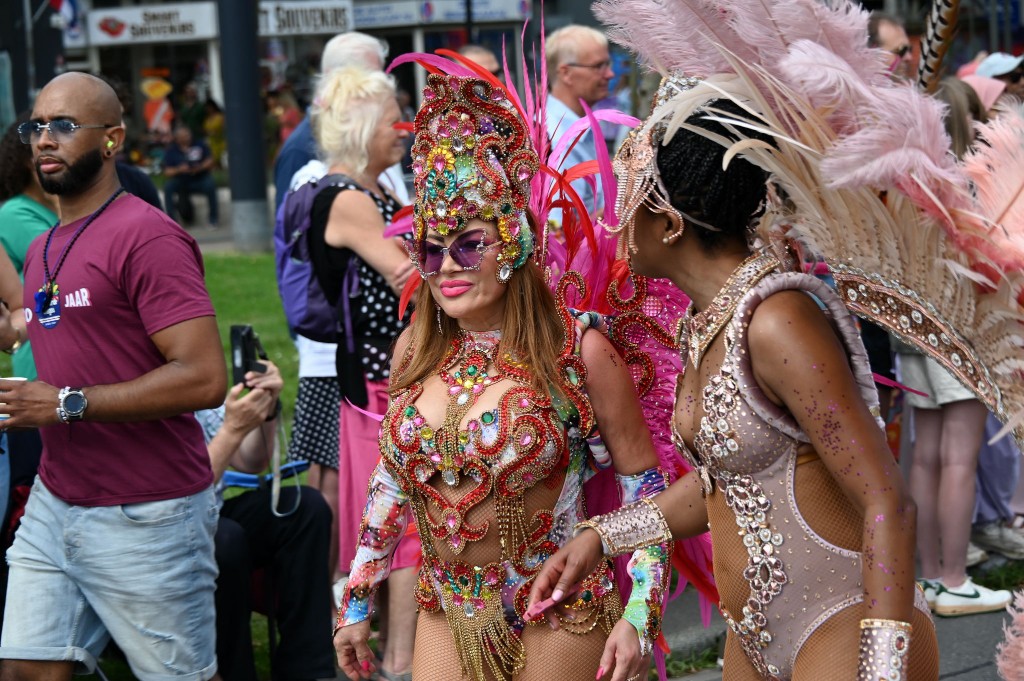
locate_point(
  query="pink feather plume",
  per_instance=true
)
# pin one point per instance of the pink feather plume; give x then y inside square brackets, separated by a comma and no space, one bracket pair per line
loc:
[1010,653]
[672,35]
[902,137]
[996,168]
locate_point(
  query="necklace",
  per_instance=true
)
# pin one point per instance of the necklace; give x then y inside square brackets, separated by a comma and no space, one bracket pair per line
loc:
[47,303]
[705,325]
[474,352]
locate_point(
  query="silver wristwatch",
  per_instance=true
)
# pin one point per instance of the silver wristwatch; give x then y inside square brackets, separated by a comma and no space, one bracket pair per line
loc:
[72,404]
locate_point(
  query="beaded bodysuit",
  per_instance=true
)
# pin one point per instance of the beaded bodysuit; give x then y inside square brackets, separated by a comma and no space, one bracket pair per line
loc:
[747,452]
[492,501]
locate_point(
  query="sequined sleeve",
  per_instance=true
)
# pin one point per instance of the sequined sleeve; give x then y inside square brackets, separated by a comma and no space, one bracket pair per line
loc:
[648,567]
[384,521]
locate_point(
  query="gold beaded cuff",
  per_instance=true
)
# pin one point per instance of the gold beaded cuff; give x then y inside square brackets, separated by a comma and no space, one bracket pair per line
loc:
[629,528]
[884,646]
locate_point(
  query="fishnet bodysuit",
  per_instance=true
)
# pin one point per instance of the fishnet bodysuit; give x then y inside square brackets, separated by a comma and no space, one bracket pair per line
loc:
[790,578]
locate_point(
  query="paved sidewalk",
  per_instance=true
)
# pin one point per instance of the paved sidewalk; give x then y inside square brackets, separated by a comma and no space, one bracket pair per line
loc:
[967,645]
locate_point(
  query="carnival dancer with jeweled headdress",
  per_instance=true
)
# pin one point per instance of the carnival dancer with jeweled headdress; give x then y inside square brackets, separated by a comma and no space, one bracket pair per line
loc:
[496,396]
[777,130]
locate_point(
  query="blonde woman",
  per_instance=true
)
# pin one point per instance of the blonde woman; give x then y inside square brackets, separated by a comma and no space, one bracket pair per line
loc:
[353,122]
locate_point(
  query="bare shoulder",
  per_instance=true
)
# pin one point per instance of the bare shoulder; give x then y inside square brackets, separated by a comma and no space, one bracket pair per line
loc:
[355,207]
[788,319]
[605,366]
[792,343]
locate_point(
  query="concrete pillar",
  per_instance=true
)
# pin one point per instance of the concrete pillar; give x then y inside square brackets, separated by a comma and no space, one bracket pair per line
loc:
[240,60]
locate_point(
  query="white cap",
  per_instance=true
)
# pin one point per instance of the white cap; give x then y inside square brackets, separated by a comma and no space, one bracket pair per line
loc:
[998,64]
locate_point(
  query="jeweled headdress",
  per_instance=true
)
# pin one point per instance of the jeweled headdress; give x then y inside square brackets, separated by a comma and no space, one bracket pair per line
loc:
[636,168]
[473,159]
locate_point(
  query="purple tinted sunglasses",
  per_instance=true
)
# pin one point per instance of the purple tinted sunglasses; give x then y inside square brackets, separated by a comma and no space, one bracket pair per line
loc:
[467,251]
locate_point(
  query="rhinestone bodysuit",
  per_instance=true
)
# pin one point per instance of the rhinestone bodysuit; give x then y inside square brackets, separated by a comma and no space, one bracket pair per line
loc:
[746,451]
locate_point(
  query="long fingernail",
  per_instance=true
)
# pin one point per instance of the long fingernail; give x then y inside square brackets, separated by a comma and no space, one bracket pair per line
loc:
[366,665]
[600,672]
[557,594]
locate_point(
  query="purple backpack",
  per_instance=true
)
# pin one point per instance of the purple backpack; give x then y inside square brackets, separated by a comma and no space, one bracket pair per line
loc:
[306,307]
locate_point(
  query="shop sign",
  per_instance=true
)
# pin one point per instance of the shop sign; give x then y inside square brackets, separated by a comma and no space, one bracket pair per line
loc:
[183,22]
[305,18]
[413,12]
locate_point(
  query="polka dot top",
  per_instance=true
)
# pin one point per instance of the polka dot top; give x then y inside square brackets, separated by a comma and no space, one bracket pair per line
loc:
[372,305]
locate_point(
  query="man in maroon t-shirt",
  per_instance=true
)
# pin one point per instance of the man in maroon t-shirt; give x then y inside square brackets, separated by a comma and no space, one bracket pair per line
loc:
[117,537]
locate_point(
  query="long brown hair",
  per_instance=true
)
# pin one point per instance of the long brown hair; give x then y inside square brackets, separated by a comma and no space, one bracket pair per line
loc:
[531,332]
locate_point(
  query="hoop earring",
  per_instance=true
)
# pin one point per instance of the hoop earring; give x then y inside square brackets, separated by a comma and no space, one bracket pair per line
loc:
[437,311]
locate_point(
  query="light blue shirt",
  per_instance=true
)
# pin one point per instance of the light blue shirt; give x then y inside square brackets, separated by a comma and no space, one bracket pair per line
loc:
[559,119]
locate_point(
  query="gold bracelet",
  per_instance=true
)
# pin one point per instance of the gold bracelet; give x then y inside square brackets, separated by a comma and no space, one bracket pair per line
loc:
[629,528]
[884,647]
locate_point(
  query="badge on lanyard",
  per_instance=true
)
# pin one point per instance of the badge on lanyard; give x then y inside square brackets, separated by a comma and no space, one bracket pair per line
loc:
[48,305]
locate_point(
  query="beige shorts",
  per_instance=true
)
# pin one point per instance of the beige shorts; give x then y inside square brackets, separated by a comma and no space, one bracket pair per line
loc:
[925,374]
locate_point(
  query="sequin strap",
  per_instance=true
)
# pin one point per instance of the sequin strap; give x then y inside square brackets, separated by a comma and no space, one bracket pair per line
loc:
[648,567]
[884,646]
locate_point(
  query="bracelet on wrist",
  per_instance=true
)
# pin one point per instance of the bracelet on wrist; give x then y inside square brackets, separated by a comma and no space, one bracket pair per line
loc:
[629,528]
[884,648]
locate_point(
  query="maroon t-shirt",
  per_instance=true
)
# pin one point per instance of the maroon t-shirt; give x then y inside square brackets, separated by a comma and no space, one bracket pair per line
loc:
[130,274]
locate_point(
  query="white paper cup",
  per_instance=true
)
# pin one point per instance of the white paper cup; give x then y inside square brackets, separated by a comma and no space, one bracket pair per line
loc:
[4,417]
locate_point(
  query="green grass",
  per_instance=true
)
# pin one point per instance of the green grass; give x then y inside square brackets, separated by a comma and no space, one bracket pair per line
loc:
[679,665]
[244,291]
[1008,575]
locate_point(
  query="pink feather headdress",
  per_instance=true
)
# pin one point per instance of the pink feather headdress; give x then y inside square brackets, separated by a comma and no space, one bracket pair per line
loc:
[923,244]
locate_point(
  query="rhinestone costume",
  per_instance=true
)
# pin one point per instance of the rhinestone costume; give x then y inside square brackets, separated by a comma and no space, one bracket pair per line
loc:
[491,507]
[746,453]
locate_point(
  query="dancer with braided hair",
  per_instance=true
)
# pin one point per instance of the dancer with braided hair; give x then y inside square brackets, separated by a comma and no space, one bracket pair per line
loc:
[777,410]
[782,104]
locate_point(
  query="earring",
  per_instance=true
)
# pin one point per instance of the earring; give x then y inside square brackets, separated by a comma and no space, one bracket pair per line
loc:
[670,238]
[504,273]
[437,310]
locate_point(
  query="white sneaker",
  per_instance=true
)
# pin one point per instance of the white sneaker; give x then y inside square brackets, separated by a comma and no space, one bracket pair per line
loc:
[975,555]
[968,599]
[930,587]
[999,538]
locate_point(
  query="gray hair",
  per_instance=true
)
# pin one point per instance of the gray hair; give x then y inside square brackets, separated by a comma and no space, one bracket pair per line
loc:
[353,49]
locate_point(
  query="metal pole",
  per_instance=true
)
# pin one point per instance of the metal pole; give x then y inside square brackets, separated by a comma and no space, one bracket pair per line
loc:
[30,53]
[993,25]
[240,58]
[469,22]
[1007,29]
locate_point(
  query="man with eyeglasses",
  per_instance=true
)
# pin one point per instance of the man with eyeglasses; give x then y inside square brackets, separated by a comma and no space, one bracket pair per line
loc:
[1007,68]
[117,536]
[579,68]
